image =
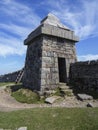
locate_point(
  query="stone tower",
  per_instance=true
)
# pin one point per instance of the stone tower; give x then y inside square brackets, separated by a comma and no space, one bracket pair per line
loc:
[51,50]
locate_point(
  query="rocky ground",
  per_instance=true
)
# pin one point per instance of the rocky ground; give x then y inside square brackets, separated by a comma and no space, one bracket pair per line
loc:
[8,103]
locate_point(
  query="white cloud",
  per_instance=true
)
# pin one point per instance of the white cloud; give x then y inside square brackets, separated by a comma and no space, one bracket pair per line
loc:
[82,17]
[18,22]
[10,45]
[20,12]
[11,50]
[87,57]
[16,29]
[21,19]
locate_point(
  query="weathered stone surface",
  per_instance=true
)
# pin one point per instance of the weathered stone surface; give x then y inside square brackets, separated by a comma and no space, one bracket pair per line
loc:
[22,128]
[41,67]
[63,87]
[32,73]
[52,99]
[84,75]
[51,25]
[49,92]
[67,92]
[53,20]
[84,97]
[90,105]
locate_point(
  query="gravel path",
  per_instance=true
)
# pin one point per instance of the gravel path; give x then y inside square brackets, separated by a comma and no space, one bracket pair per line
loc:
[8,103]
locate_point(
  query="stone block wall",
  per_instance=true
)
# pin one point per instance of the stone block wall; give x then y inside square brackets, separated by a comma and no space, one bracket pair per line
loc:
[50,46]
[41,67]
[32,71]
[52,49]
[84,75]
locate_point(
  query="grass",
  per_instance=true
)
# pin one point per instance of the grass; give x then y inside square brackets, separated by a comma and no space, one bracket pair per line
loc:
[5,83]
[25,96]
[51,119]
[58,93]
[28,96]
[21,94]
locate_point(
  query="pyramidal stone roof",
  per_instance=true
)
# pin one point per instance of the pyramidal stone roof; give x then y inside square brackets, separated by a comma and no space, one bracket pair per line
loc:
[51,26]
[51,19]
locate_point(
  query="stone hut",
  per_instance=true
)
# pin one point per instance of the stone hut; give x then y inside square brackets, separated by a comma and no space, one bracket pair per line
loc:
[50,51]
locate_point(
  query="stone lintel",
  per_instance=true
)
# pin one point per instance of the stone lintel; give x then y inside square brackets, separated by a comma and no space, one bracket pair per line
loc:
[52,31]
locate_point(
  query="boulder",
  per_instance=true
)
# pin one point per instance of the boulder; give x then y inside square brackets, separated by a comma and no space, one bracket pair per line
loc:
[84,97]
[52,99]
[90,105]
[22,128]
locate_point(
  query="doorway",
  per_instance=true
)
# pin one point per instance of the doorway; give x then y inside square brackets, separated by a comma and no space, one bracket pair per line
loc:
[62,70]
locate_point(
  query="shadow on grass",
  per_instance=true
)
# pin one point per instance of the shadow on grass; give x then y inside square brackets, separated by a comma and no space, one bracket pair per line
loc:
[16,87]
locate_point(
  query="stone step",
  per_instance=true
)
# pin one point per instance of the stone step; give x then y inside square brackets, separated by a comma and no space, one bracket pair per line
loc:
[68,92]
[48,93]
[62,84]
[64,87]
[84,97]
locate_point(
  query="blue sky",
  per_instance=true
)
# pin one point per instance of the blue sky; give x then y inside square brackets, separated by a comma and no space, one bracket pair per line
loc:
[19,17]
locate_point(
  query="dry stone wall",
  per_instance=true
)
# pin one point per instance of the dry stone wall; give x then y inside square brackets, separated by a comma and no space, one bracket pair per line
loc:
[11,77]
[84,75]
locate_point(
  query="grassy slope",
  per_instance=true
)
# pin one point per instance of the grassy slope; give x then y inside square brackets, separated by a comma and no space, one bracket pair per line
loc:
[25,96]
[51,119]
[5,83]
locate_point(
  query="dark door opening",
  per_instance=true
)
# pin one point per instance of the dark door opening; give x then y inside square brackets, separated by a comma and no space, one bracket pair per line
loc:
[62,70]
